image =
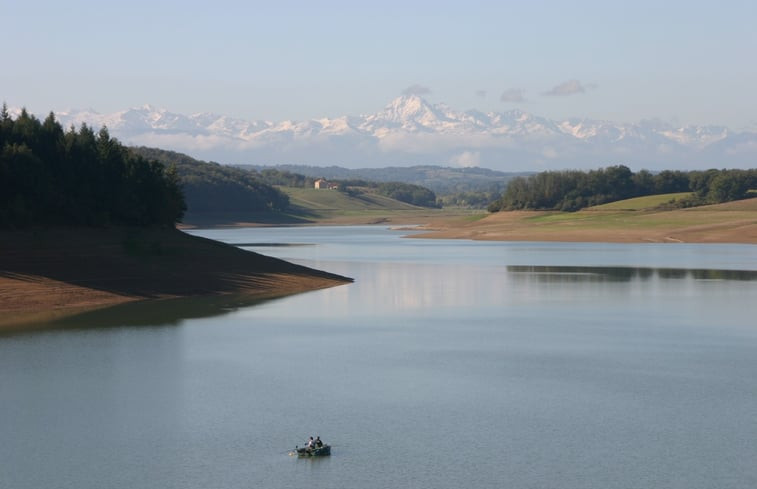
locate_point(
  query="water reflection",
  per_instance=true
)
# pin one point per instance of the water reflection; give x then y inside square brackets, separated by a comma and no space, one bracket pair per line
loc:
[383,287]
[148,313]
[537,370]
[624,274]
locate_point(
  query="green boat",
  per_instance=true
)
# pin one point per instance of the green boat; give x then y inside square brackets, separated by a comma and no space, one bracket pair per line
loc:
[321,451]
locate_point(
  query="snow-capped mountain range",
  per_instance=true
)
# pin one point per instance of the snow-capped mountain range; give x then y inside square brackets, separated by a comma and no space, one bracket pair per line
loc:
[410,131]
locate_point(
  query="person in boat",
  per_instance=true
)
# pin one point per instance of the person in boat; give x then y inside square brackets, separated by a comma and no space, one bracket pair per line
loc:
[318,442]
[310,445]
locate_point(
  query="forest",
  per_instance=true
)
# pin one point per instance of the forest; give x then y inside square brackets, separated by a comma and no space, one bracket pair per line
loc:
[574,190]
[79,177]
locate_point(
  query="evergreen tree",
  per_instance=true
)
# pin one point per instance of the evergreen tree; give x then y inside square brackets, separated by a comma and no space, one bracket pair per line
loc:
[78,177]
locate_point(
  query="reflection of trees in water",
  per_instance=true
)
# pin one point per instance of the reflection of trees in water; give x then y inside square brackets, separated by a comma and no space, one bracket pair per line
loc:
[168,312]
[574,274]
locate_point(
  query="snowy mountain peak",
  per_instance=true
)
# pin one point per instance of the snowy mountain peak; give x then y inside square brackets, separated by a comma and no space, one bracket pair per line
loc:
[148,108]
[411,130]
[411,109]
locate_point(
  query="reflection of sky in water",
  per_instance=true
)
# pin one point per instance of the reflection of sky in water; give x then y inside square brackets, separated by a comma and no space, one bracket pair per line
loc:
[396,276]
[377,243]
[391,289]
[550,365]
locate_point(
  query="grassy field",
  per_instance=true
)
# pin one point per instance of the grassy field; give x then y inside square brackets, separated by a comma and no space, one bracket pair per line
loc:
[641,203]
[733,222]
[316,206]
[642,219]
[329,201]
[334,207]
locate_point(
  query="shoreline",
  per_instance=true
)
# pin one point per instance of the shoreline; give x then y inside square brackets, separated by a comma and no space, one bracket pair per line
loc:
[733,222]
[742,231]
[726,223]
[49,274]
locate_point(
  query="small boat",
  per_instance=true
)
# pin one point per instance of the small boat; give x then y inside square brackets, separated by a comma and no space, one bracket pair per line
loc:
[321,451]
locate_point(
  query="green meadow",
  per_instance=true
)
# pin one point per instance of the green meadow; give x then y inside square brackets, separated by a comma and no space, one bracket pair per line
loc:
[642,203]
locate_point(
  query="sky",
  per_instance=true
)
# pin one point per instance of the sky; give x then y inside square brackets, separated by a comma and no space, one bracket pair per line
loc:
[686,62]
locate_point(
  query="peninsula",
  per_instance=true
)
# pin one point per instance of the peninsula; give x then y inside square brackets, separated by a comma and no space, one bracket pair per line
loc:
[47,273]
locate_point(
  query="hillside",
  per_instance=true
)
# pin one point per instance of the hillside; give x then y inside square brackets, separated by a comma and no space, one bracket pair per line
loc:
[731,222]
[646,202]
[226,195]
[213,189]
[442,180]
[316,205]
[572,190]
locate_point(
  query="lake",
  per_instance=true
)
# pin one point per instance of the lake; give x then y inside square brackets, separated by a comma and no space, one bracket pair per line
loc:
[445,364]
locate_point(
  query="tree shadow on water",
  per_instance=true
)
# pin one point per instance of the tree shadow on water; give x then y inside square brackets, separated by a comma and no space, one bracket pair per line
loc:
[146,313]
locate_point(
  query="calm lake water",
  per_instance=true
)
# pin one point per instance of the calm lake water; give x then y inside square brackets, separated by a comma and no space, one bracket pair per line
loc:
[446,364]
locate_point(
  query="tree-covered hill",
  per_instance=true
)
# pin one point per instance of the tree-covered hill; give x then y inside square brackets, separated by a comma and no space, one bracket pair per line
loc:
[574,190]
[79,177]
[439,179]
[213,188]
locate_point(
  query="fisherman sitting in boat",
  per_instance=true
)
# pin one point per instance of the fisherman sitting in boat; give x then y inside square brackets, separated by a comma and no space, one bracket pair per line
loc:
[312,448]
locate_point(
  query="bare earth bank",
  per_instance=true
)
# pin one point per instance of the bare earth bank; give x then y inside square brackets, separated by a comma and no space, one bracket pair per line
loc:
[47,273]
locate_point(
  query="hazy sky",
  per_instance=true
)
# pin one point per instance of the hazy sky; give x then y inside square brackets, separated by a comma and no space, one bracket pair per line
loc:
[690,62]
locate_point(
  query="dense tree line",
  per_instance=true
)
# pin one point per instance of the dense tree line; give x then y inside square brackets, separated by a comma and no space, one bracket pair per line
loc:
[212,187]
[408,193]
[479,199]
[574,190]
[79,177]
[284,178]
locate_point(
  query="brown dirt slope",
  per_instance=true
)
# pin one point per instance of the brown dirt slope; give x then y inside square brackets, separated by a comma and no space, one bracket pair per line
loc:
[63,270]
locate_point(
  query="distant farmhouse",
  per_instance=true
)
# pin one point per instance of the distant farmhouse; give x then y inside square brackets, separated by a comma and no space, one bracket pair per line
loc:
[323,183]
